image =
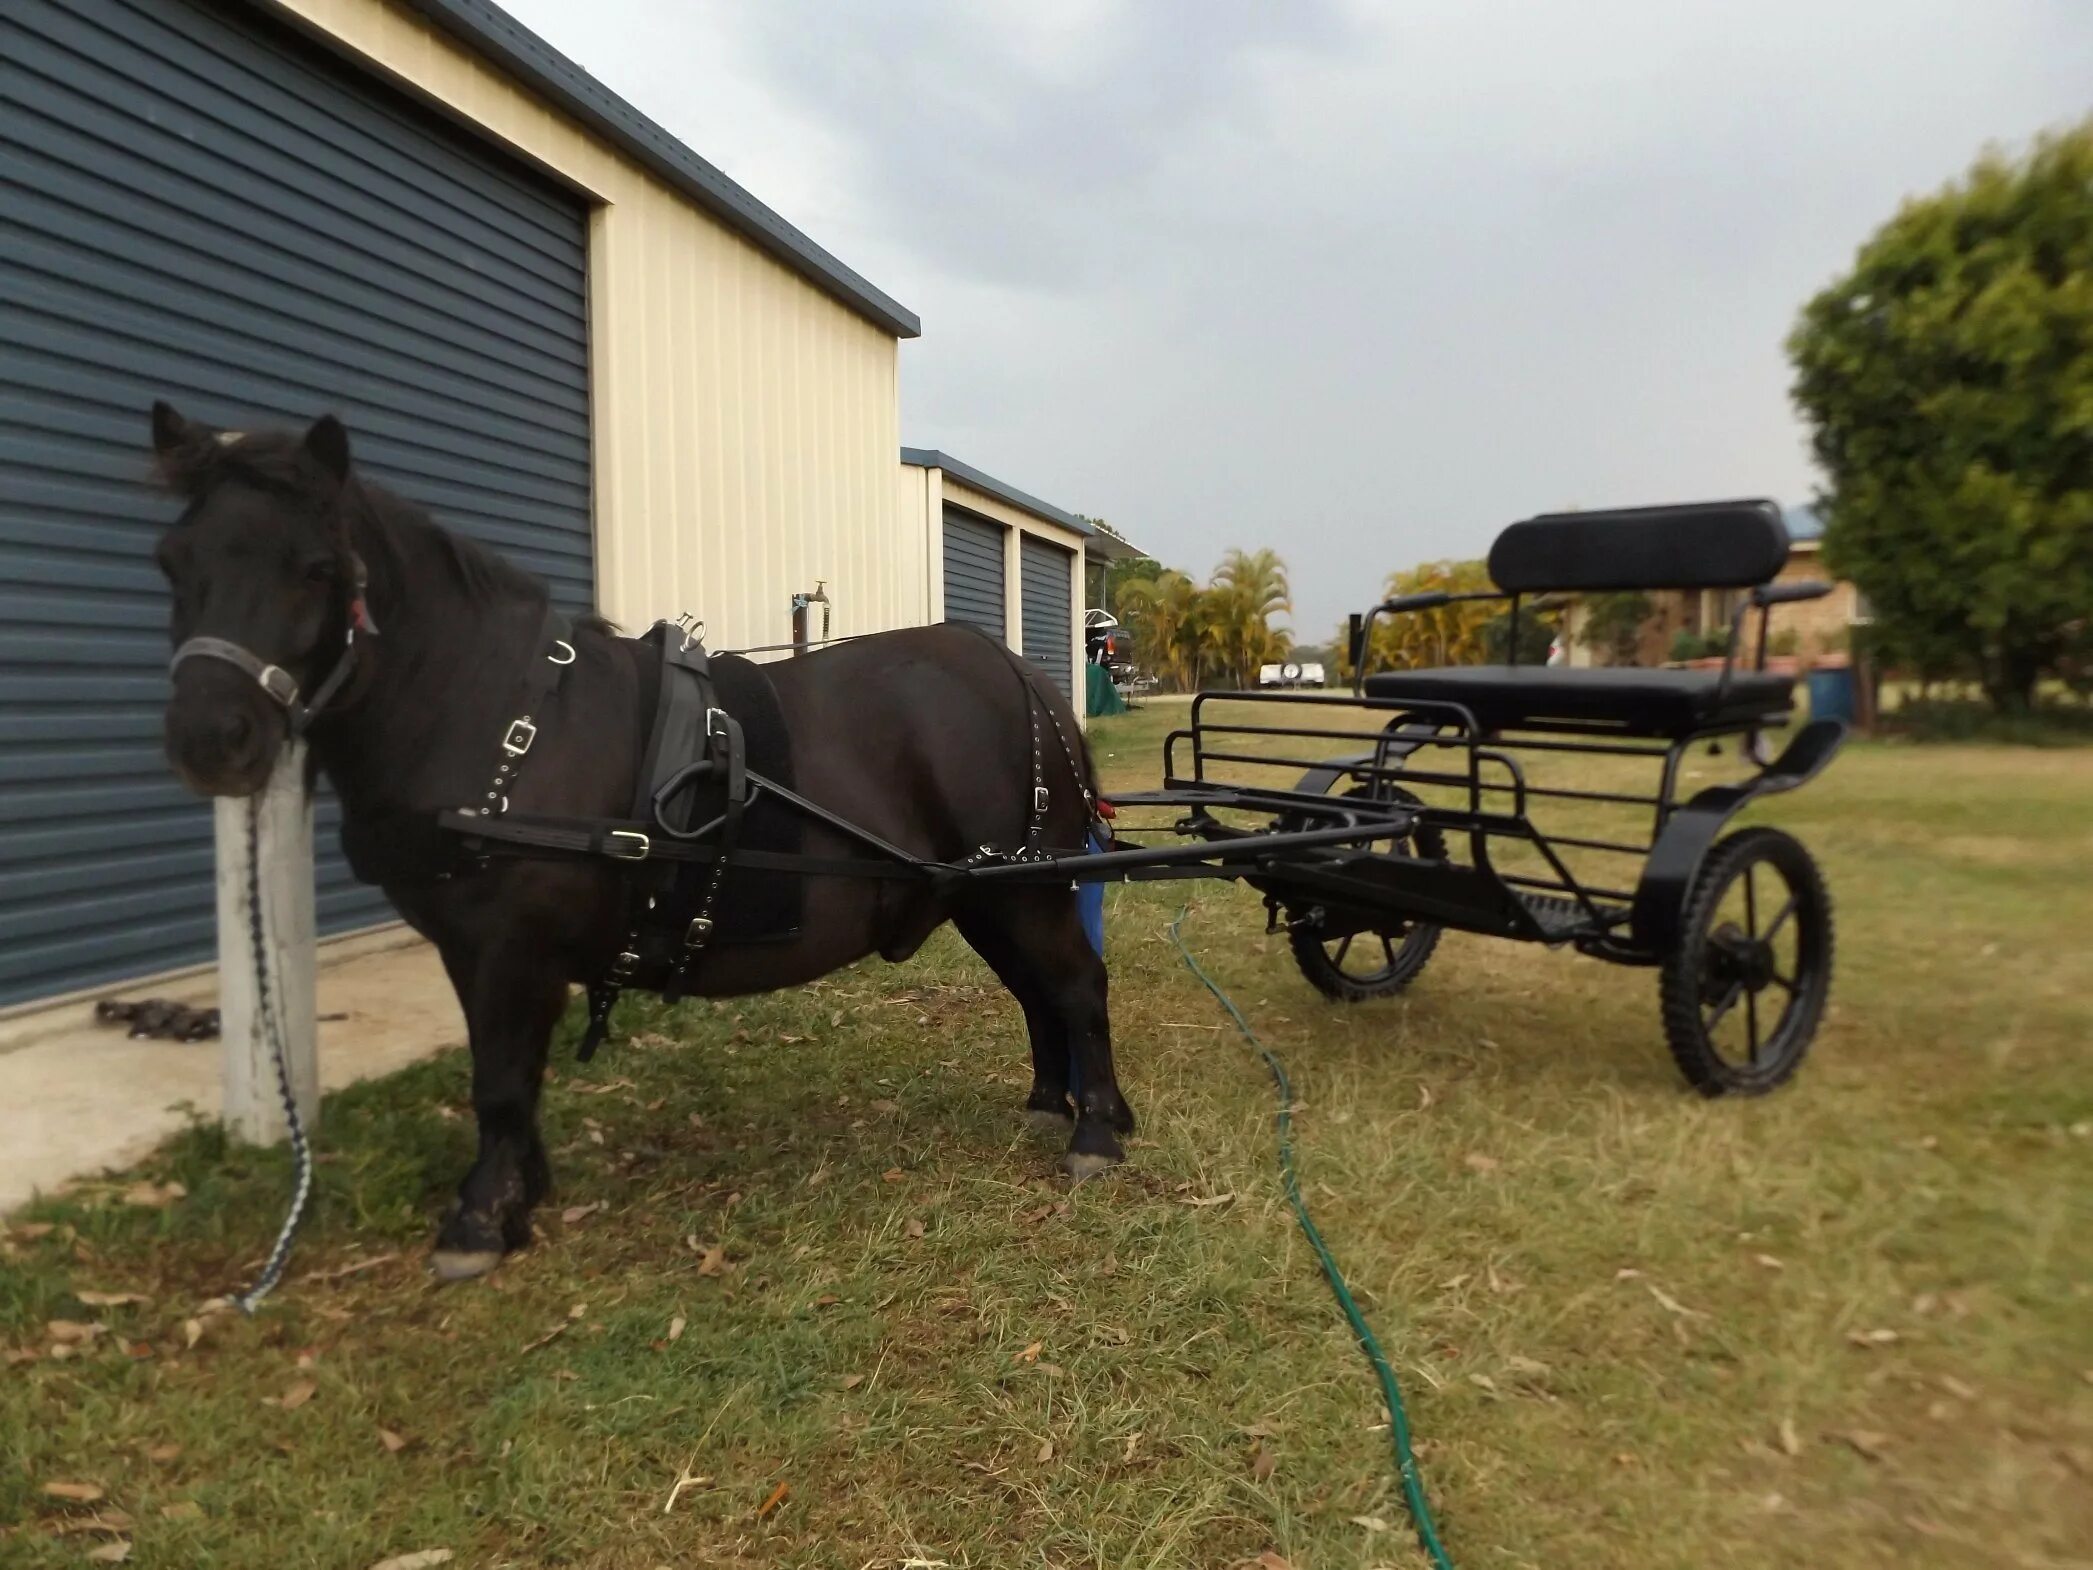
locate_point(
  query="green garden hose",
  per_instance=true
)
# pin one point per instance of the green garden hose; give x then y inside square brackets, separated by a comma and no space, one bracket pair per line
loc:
[1398,1421]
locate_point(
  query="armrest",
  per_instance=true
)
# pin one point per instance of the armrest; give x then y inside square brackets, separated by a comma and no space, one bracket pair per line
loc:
[1789,593]
[1431,601]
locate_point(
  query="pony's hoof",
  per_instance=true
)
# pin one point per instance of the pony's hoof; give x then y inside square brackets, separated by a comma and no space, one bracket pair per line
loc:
[1083,1165]
[1049,1124]
[455,1264]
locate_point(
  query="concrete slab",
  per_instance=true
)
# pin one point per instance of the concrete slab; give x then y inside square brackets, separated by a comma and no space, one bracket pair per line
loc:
[76,1098]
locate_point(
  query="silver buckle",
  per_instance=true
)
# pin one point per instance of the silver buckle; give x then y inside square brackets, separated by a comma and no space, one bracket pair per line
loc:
[715,722]
[562,643]
[1039,798]
[624,965]
[279,684]
[521,734]
[627,845]
[700,931]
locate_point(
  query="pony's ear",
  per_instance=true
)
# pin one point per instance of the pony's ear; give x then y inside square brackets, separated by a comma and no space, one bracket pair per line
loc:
[327,443]
[182,448]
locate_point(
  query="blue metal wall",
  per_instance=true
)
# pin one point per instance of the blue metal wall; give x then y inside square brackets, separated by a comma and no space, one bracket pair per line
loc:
[974,571]
[1049,628]
[198,205]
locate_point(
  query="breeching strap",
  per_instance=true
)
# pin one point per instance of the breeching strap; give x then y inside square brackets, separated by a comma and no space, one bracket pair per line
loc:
[1398,1420]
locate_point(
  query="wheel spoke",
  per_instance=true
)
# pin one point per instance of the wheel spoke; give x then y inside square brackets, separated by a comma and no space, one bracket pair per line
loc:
[1343,949]
[1751,1023]
[1784,983]
[1751,901]
[1388,948]
[1729,1001]
[1781,920]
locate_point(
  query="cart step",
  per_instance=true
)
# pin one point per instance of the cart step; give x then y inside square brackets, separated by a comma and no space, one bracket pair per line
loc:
[1560,917]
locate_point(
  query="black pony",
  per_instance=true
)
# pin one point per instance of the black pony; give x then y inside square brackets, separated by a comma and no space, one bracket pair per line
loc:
[920,736]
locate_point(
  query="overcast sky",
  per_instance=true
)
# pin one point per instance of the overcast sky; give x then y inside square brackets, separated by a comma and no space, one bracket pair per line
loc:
[1360,282]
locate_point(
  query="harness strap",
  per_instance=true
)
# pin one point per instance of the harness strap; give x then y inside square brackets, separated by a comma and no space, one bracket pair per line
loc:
[541,679]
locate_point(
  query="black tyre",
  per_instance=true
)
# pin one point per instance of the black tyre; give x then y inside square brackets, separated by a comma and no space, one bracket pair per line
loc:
[1355,966]
[1746,985]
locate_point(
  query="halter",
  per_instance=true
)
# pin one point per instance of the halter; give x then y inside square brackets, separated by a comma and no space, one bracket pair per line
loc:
[279,683]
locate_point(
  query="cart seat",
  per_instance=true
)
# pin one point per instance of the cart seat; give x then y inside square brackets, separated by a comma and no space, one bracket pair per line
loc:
[1634,702]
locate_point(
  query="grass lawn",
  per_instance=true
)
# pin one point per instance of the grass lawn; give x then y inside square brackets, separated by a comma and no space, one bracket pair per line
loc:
[811,1294]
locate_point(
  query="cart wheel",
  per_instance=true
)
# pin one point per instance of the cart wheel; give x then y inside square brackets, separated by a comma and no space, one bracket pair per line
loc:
[1381,962]
[1746,985]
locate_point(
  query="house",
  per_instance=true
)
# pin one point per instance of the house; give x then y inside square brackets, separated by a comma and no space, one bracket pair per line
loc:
[1819,627]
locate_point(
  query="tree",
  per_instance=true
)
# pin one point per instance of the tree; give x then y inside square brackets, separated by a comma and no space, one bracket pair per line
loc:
[1249,588]
[1168,624]
[1948,381]
[1446,635]
[1613,624]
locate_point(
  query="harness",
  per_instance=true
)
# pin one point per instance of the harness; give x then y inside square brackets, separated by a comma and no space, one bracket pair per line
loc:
[675,855]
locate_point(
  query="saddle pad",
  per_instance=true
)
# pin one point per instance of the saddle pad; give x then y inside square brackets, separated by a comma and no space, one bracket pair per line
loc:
[753,907]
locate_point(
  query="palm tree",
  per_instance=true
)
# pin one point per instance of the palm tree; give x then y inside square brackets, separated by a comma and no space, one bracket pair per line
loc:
[1250,587]
[1165,614]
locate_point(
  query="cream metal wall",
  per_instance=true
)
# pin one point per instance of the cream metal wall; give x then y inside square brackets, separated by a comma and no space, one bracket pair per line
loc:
[745,423]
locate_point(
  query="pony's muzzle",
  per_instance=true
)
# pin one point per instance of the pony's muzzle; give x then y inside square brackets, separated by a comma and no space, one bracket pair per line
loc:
[222,737]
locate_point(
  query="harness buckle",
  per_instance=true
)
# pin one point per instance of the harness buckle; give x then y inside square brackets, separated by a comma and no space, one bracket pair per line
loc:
[627,845]
[278,683]
[521,734]
[624,965]
[1039,798]
[562,643]
[700,933]
[715,723]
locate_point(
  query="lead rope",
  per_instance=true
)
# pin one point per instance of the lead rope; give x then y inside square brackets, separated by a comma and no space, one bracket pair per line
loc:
[1283,1125]
[272,1027]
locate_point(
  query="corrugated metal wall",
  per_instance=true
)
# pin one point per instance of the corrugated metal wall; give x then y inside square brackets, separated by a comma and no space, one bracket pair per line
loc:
[204,207]
[974,572]
[1044,571]
[746,422]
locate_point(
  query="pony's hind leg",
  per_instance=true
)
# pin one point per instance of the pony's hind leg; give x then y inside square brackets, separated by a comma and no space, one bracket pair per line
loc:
[511,1006]
[1048,1105]
[1054,954]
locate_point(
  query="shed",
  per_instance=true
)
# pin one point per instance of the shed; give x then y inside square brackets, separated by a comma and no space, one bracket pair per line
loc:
[540,315]
[1000,559]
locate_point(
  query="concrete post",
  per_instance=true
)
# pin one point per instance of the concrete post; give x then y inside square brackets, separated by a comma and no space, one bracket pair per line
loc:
[253,1103]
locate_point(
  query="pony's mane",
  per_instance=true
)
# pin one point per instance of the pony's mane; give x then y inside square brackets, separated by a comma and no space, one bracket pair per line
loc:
[381,522]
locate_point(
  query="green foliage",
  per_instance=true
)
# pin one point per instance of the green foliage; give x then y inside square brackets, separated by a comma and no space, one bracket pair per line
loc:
[1536,634]
[1185,635]
[1785,641]
[1687,645]
[1613,623]
[1948,379]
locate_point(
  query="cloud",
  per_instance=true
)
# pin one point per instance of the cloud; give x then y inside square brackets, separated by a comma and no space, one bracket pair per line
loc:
[1363,282]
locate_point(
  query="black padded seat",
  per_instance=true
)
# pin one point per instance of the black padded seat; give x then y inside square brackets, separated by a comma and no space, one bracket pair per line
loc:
[1632,701]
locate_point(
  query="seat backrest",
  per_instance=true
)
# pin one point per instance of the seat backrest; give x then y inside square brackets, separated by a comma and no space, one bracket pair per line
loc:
[1695,545]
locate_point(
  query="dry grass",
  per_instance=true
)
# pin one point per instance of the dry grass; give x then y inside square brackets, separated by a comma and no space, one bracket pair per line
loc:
[1846,1326]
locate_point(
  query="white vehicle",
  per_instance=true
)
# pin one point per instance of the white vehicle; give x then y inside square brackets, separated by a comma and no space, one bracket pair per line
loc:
[1291,673]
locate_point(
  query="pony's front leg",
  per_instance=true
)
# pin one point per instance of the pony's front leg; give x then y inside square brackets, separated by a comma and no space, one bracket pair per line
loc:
[511,1005]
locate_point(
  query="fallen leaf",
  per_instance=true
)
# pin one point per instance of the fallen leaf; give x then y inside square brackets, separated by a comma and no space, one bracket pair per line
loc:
[30,1231]
[551,1335]
[1476,1161]
[1672,1305]
[850,1381]
[1791,1441]
[1133,1442]
[1957,1389]
[73,1330]
[74,1493]
[1863,1441]
[110,1553]
[827,1300]
[676,1328]
[1372,1523]
[163,1452]
[578,1311]
[1769,1261]
[914,1228]
[894,1175]
[777,1497]
[110,1299]
[1199,1203]
[886,1106]
[298,1395]
[420,1559]
[1030,1353]
[154,1196]
[1527,1367]
[711,1261]
[1046,1452]
[1051,1370]
[1483,1382]
[182,1510]
[574,1213]
[1872,1338]
[1271,1561]
[394,1443]
[1627,1273]
[1264,1461]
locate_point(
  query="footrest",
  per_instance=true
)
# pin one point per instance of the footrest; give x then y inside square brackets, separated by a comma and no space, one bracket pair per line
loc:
[1560,917]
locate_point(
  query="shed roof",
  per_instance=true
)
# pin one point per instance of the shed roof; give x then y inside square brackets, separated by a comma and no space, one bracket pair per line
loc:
[989,485]
[491,31]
